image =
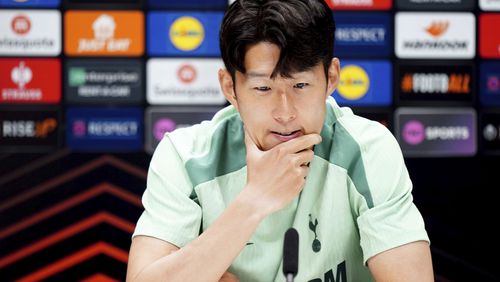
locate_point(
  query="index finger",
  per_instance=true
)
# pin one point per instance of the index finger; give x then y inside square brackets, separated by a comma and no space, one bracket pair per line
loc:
[300,143]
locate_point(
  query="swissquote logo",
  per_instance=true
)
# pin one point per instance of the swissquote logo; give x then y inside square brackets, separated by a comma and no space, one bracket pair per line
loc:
[186,73]
[435,35]
[25,81]
[30,32]
[183,81]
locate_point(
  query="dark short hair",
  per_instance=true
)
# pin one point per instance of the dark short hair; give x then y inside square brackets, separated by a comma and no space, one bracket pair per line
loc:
[302,29]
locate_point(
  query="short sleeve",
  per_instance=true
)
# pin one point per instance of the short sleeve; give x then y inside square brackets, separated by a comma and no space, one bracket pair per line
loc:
[392,219]
[169,212]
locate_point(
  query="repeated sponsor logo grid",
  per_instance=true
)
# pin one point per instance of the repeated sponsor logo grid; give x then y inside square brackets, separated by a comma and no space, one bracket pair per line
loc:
[162,57]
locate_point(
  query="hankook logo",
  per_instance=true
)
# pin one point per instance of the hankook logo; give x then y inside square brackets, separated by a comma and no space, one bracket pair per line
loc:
[435,35]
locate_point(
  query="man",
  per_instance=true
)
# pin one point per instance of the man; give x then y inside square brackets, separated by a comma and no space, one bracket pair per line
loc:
[221,194]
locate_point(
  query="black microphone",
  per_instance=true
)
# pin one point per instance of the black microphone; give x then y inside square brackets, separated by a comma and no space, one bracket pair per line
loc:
[291,254]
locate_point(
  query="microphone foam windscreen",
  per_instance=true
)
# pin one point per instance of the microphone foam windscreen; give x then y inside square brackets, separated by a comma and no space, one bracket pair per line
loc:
[291,252]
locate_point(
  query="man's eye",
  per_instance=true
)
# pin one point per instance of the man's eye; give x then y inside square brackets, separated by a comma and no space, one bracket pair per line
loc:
[262,88]
[301,85]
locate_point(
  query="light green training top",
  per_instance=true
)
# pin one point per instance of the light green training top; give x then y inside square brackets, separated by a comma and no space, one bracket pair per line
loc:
[356,202]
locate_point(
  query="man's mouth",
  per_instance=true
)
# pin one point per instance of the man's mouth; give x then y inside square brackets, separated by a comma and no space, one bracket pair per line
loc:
[286,136]
[285,133]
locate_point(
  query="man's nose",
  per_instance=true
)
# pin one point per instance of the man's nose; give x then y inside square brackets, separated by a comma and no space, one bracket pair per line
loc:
[284,110]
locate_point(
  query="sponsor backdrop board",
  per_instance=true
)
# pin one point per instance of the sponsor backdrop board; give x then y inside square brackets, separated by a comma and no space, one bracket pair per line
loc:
[30,81]
[30,129]
[364,83]
[30,3]
[104,33]
[184,81]
[432,82]
[424,132]
[30,33]
[126,71]
[189,4]
[489,36]
[160,120]
[436,5]
[92,81]
[435,35]
[363,35]
[489,132]
[104,129]
[489,5]
[184,34]
[489,85]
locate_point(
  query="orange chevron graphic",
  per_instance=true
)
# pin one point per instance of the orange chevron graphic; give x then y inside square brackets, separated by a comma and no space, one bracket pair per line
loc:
[99,277]
[71,202]
[27,168]
[437,28]
[103,160]
[73,259]
[68,232]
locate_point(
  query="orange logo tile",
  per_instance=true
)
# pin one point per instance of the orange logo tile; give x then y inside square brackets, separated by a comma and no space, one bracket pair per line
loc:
[104,33]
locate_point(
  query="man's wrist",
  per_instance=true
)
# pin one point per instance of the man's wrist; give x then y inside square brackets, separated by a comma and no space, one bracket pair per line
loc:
[250,206]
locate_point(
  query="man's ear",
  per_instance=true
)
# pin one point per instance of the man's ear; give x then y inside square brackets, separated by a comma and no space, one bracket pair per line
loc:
[333,76]
[227,86]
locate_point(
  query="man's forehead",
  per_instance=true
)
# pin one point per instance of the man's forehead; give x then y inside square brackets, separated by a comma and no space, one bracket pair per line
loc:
[263,74]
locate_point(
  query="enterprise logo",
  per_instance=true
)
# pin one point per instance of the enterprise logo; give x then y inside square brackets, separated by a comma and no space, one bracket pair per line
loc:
[436,132]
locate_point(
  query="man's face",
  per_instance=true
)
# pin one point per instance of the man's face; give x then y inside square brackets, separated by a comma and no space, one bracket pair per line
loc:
[276,110]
